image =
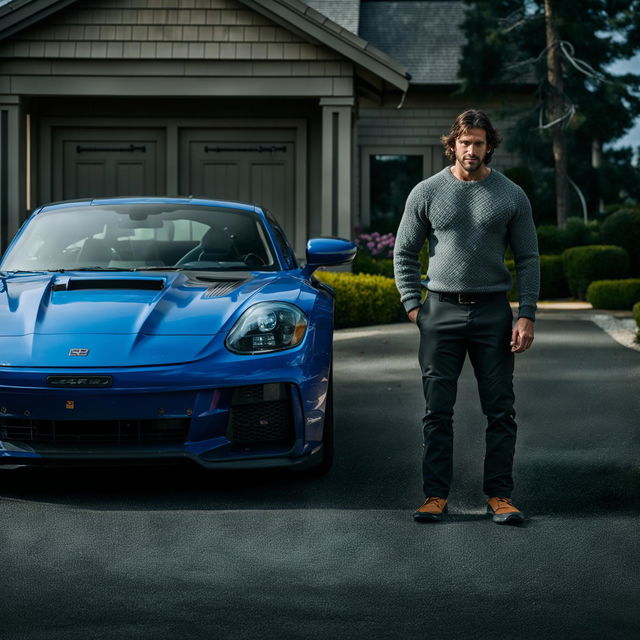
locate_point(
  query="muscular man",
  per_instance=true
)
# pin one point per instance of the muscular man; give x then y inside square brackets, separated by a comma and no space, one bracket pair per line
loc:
[469,214]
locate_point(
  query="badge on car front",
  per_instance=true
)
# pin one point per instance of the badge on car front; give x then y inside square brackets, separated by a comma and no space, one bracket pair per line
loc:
[78,352]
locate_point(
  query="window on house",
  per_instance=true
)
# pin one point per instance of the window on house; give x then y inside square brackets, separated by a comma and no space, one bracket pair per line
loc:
[391,178]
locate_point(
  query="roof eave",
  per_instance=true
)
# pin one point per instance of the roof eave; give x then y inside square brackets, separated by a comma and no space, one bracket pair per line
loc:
[20,14]
[310,23]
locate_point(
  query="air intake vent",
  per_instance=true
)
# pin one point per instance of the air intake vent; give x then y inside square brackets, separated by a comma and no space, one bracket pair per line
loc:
[217,289]
[75,284]
[94,431]
[261,415]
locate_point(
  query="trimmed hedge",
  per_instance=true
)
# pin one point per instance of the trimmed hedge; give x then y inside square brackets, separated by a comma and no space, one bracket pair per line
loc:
[614,294]
[583,265]
[363,299]
[364,263]
[553,284]
[636,313]
[553,240]
[623,229]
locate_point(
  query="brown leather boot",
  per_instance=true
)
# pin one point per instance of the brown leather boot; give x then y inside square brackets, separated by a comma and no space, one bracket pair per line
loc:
[504,512]
[431,510]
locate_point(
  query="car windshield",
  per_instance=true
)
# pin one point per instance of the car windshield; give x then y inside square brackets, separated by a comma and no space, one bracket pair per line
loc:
[142,236]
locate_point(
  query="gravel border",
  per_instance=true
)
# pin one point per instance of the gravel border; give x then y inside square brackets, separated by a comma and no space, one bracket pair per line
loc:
[622,330]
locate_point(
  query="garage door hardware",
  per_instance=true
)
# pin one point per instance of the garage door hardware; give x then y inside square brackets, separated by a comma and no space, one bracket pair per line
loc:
[130,149]
[259,149]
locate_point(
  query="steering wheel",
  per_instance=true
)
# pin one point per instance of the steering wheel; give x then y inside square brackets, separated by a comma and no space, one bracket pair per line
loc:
[252,260]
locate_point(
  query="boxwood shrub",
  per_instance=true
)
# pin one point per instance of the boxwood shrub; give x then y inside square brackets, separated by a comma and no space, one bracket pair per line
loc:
[623,229]
[553,240]
[553,284]
[636,313]
[365,263]
[583,265]
[614,294]
[363,299]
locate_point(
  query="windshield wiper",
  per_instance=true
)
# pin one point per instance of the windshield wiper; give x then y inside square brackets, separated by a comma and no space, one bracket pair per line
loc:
[96,268]
[25,271]
[157,268]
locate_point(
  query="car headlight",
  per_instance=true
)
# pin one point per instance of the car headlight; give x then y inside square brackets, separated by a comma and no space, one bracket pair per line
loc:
[267,326]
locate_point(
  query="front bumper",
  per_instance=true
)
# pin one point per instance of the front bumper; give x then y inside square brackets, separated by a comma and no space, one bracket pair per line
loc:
[242,419]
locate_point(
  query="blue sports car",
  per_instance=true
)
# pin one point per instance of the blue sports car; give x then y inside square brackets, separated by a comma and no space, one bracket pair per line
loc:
[165,328]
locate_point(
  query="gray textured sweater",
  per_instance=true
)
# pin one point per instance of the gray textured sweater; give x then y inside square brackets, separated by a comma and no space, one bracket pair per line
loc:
[468,226]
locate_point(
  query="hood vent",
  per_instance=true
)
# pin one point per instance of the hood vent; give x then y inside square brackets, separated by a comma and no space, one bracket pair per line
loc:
[104,283]
[222,288]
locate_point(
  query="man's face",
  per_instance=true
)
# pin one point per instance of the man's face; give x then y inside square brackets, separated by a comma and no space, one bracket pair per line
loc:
[471,149]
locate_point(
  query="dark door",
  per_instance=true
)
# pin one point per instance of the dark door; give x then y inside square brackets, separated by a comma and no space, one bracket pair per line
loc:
[104,162]
[253,165]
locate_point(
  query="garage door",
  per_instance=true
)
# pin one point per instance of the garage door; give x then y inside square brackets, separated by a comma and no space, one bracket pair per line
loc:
[107,162]
[255,165]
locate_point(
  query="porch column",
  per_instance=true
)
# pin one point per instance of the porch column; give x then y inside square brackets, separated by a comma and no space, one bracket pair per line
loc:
[336,166]
[12,168]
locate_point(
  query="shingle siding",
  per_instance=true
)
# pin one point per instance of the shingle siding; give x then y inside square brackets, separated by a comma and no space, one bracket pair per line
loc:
[138,29]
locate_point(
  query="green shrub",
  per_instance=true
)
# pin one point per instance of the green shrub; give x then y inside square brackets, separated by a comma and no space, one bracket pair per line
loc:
[363,299]
[553,241]
[364,263]
[614,294]
[553,284]
[623,229]
[424,258]
[583,265]
[636,313]
[513,293]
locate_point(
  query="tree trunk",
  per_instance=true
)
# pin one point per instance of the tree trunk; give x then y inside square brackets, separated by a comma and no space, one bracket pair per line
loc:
[555,110]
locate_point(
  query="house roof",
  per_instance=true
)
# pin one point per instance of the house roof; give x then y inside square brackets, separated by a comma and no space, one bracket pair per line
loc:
[291,14]
[295,13]
[425,37]
[346,13]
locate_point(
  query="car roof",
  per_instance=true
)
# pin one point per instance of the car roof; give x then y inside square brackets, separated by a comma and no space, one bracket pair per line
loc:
[221,204]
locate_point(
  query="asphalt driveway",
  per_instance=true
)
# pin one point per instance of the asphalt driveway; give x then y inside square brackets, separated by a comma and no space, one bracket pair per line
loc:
[180,553]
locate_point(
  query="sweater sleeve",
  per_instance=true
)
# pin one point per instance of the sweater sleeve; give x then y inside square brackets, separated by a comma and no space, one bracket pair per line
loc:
[524,244]
[412,233]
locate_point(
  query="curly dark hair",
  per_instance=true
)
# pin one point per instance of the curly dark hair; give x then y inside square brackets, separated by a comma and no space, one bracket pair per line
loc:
[471,119]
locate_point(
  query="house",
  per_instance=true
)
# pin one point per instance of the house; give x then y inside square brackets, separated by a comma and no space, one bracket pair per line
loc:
[290,104]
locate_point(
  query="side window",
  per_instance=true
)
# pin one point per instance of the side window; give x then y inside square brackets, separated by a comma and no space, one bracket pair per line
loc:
[283,245]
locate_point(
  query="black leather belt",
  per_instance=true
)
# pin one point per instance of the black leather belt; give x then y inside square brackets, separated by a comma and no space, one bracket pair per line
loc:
[467,298]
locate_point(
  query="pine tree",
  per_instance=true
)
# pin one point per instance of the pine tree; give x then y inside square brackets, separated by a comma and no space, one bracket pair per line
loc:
[563,56]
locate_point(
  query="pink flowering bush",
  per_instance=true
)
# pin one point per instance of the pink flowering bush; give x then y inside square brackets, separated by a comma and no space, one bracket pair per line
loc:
[376,245]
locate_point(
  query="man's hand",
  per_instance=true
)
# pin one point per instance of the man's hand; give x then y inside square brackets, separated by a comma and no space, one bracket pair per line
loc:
[413,314]
[522,335]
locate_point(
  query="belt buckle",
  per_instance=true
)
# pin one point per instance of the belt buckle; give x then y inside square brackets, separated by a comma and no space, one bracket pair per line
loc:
[463,299]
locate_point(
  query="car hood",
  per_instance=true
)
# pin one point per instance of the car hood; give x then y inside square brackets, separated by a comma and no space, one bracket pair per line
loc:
[95,319]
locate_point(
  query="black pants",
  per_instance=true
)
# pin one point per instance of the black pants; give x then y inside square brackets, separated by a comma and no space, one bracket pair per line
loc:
[448,331]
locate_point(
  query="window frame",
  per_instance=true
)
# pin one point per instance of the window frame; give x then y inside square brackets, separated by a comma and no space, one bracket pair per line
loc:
[430,165]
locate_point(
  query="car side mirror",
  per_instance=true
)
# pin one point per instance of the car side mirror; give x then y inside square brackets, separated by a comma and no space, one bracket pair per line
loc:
[328,252]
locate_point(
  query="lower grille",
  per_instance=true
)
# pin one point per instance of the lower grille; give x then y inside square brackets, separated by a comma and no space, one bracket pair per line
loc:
[94,431]
[261,414]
